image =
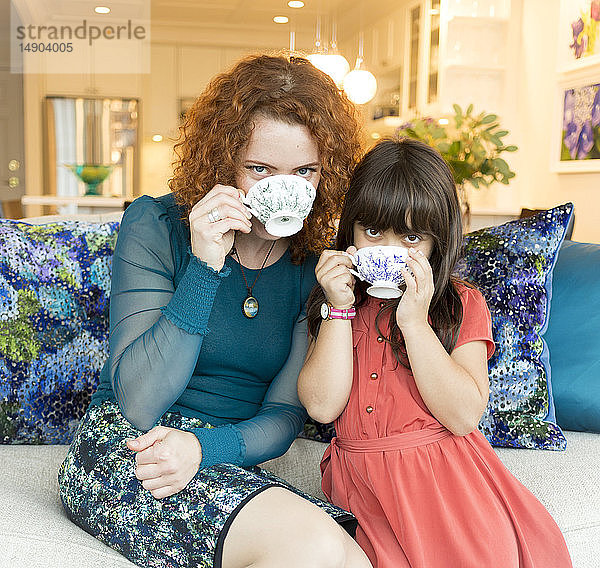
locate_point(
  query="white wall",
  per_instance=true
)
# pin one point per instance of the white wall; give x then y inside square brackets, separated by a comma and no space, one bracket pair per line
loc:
[538,114]
[536,186]
[180,66]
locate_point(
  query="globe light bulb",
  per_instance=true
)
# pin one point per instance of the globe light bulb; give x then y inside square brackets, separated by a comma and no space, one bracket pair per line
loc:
[360,85]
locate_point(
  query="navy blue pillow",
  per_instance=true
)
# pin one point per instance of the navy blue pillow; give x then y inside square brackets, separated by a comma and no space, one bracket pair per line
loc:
[573,337]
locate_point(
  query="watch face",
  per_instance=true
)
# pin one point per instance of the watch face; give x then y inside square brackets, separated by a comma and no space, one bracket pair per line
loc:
[324,310]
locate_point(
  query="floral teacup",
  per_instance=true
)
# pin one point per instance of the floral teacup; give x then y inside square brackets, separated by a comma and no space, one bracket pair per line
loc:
[380,266]
[281,203]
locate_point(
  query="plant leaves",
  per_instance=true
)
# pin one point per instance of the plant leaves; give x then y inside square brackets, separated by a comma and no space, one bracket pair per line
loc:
[488,118]
[443,147]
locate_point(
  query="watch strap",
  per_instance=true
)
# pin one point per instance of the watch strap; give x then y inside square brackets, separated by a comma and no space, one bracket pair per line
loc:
[337,313]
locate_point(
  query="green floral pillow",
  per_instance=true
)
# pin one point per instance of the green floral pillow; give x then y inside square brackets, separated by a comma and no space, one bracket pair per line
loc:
[54,297]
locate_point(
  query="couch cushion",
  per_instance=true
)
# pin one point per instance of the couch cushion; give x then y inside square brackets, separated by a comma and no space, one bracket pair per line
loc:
[512,266]
[54,291]
[34,530]
[38,533]
[573,336]
[567,484]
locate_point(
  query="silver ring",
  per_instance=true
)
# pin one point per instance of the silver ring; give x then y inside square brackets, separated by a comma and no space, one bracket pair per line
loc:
[214,215]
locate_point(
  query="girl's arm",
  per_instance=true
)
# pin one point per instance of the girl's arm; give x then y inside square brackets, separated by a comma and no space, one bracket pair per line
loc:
[326,379]
[454,387]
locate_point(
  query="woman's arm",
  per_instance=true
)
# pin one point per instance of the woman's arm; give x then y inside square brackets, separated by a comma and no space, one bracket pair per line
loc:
[167,458]
[281,417]
[326,379]
[156,330]
[454,387]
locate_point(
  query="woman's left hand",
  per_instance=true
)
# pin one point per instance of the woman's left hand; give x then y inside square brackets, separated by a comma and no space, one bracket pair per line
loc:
[166,460]
[413,307]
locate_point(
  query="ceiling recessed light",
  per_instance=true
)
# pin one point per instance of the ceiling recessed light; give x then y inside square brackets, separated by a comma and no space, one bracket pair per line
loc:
[295,4]
[157,138]
[102,9]
[281,19]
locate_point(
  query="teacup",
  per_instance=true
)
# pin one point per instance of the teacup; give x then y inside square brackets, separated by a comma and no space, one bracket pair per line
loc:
[380,266]
[281,203]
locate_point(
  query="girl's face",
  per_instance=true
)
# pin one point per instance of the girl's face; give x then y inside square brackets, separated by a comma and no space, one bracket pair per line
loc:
[277,147]
[368,237]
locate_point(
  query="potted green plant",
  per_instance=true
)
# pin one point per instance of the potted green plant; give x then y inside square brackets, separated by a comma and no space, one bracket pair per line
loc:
[471,145]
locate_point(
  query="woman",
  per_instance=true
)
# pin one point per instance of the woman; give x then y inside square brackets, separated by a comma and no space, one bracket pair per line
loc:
[214,389]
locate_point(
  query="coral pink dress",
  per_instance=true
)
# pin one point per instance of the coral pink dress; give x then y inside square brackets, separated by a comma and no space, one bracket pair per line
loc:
[423,497]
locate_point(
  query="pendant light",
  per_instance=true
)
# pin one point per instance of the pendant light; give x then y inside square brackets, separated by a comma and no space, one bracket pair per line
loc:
[337,64]
[319,56]
[360,85]
[333,64]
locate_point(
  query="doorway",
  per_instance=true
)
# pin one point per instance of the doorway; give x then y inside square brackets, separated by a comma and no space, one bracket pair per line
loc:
[12,166]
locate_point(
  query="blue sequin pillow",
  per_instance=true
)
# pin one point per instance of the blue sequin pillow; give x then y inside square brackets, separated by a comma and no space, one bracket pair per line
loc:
[512,266]
[54,297]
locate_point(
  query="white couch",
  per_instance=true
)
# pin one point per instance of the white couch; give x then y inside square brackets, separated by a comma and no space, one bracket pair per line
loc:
[35,532]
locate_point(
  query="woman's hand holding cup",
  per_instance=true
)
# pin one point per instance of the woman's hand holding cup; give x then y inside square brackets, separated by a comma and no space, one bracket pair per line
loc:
[333,274]
[213,221]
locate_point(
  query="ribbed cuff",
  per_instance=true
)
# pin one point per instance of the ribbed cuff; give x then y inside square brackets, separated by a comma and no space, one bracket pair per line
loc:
[192,302]
[223,444]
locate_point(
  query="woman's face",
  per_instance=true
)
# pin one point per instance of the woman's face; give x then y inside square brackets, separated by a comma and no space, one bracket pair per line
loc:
[277,147]
[368,237]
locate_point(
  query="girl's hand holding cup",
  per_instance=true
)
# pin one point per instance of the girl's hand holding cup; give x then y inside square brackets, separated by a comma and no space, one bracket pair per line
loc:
[334,276]
[413,308]
[213,221]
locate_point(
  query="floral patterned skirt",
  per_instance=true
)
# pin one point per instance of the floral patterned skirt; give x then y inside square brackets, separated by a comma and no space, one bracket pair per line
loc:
[101,494]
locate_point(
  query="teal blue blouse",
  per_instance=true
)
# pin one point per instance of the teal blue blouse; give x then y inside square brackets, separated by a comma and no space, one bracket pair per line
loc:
[179,341]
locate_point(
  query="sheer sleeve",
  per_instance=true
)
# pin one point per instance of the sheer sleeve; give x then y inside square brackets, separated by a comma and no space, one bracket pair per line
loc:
[156,331]
[272,430]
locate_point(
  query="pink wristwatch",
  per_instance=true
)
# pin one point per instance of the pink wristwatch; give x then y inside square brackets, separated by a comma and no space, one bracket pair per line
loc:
[328,312]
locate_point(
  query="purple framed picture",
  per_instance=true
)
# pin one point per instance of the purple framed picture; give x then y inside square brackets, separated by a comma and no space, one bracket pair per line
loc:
[576,147]
[579,34]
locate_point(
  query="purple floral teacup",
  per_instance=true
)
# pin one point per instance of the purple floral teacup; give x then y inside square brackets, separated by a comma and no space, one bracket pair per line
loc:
[380,266]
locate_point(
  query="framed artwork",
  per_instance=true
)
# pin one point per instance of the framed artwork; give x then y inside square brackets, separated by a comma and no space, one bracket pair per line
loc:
[579,34]
[576,143]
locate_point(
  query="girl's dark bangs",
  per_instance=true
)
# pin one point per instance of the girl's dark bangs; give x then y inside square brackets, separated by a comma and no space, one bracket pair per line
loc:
[380,201]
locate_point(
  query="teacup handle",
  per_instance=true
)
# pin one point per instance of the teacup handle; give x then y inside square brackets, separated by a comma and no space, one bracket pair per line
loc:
[353,259]
[246,202]
[355,274]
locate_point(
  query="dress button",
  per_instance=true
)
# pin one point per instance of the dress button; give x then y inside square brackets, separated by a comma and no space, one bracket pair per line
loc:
[374,376]
[369,409]
[381,304]
[379,338]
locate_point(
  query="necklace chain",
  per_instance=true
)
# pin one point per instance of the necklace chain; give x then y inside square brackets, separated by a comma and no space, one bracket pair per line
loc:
[249,288]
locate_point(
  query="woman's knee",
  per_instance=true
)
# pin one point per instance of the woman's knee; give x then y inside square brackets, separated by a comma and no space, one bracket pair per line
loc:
[279,528]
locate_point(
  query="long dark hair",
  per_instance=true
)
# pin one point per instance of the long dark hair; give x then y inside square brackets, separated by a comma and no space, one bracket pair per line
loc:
[406,186]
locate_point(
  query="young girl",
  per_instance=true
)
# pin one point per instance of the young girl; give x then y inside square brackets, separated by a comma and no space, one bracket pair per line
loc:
[406,383]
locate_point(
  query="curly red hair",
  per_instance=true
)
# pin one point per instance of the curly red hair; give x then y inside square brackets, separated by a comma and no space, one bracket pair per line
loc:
[288,88]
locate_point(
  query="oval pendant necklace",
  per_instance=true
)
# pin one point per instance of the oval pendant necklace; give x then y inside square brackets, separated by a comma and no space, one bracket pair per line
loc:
[250,304]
